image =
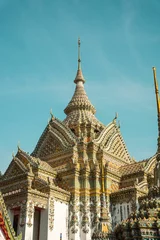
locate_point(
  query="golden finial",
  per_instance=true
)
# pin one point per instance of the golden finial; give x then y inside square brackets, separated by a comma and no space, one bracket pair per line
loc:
[116,116]
[51,113]
[79,56]
[13,156]
[18,145]
[156,90]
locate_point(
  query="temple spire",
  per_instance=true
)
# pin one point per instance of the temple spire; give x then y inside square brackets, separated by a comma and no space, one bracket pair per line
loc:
[158,109]
[79,54]
[79,76]
[157,167]
[156,91]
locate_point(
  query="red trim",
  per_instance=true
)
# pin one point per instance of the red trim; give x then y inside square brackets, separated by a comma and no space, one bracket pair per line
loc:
[3,227]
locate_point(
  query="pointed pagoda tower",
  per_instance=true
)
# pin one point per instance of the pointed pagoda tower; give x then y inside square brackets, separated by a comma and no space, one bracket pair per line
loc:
[80,163]
[87,156]
[145,223]
[80,111]
[157,168]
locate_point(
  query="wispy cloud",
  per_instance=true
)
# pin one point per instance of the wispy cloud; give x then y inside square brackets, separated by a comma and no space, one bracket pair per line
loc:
[32,87]
[125,93]
[129,18]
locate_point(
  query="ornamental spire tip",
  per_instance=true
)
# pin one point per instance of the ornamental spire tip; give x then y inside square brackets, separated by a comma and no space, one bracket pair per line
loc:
[79,76]
[79,54]
[156,90]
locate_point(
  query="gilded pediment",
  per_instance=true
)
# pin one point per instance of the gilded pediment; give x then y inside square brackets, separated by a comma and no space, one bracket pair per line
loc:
[15,169]
[111,141]
[150,165]
[116,146]
[56,138]
[51,146]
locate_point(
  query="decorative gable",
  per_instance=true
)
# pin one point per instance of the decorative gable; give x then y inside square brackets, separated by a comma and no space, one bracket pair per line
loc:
[110,140]
[51,145]
[15,169]
[116,146]
[55,138]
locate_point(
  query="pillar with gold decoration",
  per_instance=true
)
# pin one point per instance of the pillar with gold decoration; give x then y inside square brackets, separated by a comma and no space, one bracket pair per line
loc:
[157,167]
[74,231]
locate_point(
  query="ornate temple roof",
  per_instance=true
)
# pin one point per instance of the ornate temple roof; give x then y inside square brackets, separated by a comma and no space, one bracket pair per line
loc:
[111,141]
[132,168]
[56,137]
[80,110]
[146,165]
[23,163]
[42,174]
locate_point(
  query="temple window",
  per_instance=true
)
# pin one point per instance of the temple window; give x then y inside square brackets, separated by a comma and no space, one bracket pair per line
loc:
[128,212]
[16,214]
[121,212]
[124,211]
[36,229]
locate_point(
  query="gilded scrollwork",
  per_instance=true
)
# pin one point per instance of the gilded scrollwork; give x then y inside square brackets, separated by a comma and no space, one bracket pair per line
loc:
[51,214]
[85,209]
[74,209]
[30,213]
[23,209]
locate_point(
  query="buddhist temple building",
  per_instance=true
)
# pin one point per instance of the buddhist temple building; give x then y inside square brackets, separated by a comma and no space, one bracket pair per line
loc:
[80,181]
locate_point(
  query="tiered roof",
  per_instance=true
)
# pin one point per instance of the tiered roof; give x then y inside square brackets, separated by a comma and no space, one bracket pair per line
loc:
[80,110]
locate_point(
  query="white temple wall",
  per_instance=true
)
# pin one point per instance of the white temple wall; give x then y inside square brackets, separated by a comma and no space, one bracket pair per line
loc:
[60,221]
[29,221]
[120,212]
[54,221]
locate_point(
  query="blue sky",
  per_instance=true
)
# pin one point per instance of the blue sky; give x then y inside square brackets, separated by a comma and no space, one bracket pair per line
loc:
[38,62]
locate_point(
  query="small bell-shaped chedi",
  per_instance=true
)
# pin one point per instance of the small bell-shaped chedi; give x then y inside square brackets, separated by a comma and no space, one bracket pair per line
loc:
[145,223]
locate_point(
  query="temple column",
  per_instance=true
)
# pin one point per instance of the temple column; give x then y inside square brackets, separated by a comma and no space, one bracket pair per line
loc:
[107,195]
[47,221]
[26,220]
[85,221]
[74,228]
[96,198]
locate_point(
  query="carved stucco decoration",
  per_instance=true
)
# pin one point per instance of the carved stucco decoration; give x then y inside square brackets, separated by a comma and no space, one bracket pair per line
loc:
[95,210]
[30,213]
[51,213]
[85,209]
[74,208]
[23,210]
